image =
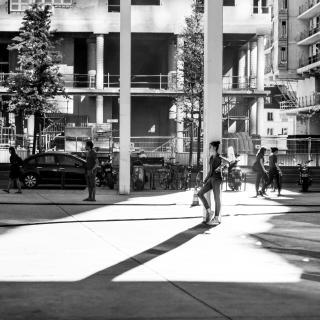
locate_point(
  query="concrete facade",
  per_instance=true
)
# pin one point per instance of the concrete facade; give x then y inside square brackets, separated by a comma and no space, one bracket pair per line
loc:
[91,51]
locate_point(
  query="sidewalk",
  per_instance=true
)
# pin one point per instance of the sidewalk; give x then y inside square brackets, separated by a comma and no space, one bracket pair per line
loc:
[148,256]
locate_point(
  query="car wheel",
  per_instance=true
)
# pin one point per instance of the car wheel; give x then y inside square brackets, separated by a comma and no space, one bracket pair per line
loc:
[30,180]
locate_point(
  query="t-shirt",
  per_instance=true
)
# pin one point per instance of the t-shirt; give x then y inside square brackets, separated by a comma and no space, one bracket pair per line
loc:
[273,163]
[91,159]
[215,163]
[259,157]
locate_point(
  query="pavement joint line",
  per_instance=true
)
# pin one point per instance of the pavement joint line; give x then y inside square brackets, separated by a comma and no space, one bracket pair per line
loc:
[88,204]
[13,225]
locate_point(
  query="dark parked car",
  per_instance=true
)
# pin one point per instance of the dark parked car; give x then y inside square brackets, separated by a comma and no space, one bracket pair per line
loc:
[53,168]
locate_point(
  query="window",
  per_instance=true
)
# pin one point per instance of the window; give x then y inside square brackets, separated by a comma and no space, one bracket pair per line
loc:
[229,3]
[22,5]
[283,55]
[270,131]
[284,4]
[270,116]
[114,5]
[284,131]
[283,32]
[48,159]
[268,100]
[68,161]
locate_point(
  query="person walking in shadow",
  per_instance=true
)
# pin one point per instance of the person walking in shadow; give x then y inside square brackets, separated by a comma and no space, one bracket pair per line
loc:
[274,172]
[213,182]
[91,171]
[15,170]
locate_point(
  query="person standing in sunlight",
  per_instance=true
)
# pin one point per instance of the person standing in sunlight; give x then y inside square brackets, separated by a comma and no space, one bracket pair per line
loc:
[213,182]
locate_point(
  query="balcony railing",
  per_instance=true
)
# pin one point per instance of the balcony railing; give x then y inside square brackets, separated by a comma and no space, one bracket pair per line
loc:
[310,60]
[159,82]
[308,5]
[301,102]
[308,33]
[239,83]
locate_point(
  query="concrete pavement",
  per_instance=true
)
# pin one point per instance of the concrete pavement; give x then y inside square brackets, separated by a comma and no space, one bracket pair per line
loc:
[147,256]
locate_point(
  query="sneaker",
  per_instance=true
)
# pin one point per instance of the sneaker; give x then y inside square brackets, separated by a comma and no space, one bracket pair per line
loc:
[214,222]
[209,216]
[87,199]
[5,190]
[18,192]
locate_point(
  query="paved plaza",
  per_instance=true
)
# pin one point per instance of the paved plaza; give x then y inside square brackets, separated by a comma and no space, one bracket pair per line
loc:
[148,256]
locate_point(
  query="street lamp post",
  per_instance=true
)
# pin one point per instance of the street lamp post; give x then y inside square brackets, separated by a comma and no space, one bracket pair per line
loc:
[213,59]
[125,96]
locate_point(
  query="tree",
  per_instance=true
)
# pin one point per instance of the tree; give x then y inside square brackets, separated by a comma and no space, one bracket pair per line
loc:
[191,65]
[37,79]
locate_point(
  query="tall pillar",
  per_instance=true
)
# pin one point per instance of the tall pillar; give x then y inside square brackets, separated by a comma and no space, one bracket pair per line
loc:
[248,62]
[100,60]
[172,52]
[242,69]
[125,95]
[253,60]
[253,81]
[99,76]
[30,126]
[213,49]
[91,49]
[260,83]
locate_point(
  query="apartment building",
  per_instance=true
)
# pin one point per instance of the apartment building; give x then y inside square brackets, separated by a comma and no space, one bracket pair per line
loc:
[90,48]
[292,61]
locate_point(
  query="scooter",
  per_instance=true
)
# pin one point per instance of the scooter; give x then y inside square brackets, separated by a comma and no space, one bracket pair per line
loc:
[106,175]
[235,175]
[305,179]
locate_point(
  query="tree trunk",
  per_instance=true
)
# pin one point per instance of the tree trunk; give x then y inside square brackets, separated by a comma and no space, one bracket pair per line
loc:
[199,140]
[35,131]
[191,142]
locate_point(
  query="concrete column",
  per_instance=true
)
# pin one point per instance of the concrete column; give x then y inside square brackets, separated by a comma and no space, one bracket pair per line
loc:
[172,51]
[253,60]
[92,63]
[125,95]
[99,109]
[99,76]
[253,75]
[91,49]
[180,128]
[248,62]
[213,49]
[30,125]
[242,69]
[100,60]
[253,118]
[260,83]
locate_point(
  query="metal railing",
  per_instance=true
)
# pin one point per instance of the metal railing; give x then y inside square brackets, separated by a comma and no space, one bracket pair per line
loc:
[241,83]
[308,5]
[303,62]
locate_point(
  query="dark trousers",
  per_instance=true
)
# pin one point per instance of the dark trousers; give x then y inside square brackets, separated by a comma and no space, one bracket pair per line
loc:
[215,185]
[273,175]
[261,175]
